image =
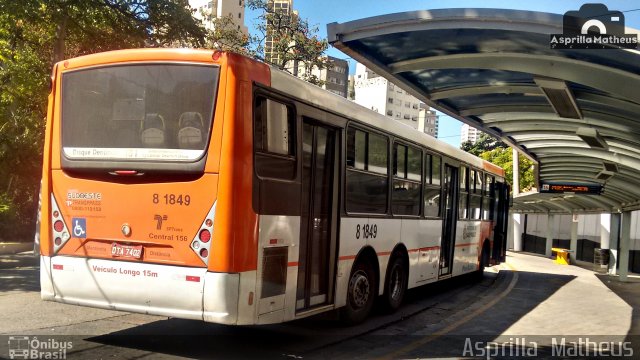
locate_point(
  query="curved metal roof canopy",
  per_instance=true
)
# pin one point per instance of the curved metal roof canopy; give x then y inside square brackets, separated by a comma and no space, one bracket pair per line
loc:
[575,112]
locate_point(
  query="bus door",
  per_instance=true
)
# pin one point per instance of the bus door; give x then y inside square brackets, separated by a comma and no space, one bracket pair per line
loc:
[318,222]
[450,216]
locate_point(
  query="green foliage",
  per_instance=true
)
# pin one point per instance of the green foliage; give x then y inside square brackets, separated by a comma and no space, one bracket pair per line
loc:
[484,143]
[226,36]
[34,34]
[296,45]
[500,154]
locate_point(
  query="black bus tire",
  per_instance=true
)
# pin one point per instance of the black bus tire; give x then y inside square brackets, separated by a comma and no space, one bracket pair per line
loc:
[361,292]
[395,286]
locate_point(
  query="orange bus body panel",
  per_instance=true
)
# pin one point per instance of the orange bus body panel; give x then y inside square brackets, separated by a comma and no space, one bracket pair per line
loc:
[493,168]
[45,185]
[235,246]
[132,204]
[234,239]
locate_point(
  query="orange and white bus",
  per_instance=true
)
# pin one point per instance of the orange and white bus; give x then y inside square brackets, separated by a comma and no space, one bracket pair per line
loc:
[206,185]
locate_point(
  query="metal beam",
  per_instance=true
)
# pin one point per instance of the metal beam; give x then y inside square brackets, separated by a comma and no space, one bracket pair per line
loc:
[485,90]
[481,110]
[608,79]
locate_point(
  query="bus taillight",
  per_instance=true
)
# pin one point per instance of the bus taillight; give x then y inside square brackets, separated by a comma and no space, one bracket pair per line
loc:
[201,243]
[60,233]
[58,225]
[205,235]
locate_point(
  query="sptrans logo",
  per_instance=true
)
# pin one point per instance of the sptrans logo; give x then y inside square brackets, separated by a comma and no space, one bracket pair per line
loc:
[594,26]
[24,347]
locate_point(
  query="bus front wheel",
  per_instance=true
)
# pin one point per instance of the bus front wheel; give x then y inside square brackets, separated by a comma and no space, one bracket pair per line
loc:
[360,293]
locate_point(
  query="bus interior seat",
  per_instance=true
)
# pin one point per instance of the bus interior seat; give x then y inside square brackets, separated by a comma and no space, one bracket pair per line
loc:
[191,127]
[152,130]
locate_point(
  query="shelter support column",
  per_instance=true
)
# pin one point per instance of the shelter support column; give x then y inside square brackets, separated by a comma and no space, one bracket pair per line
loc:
[573,245]
[516,173]
[518,220]
[551,231]
[625,240]
[613,243]
[605,231]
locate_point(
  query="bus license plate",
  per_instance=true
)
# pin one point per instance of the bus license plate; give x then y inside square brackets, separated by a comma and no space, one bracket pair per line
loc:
[126,251]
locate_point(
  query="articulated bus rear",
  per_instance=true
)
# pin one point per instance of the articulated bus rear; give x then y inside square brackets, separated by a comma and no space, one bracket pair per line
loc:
[134,183]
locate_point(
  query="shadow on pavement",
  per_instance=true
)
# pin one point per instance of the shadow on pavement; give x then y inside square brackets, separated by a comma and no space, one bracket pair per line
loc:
[475,333]
[19,272]
[204,340]
[629,292]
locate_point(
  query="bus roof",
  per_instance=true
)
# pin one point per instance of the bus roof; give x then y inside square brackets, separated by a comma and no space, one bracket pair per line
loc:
[287,83]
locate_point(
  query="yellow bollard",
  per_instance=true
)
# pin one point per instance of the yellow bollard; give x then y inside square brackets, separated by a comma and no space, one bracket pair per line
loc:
[562,256]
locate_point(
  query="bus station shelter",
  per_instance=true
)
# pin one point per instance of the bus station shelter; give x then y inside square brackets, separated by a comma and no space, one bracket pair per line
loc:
[574,112]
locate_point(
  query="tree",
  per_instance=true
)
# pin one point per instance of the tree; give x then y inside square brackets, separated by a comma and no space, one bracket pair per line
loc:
[497,152]
[34,34]
[225,35]
[484,143]
[295,45]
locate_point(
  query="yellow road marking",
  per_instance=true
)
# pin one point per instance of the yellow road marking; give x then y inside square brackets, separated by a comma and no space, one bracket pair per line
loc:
[421,342]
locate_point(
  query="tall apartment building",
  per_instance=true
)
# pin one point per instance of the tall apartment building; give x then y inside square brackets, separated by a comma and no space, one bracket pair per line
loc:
[468,133]
[284,7]
[208,10]
[428,120]
[378,94]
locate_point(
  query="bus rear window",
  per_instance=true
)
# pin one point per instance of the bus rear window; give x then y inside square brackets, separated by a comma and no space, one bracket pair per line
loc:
[143,112]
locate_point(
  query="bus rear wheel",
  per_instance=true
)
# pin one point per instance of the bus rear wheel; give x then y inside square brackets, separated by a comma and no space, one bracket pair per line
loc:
[360,294]
[484,261]
[395,284]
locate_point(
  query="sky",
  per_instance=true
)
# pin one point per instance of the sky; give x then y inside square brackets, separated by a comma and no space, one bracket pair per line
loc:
[322,12]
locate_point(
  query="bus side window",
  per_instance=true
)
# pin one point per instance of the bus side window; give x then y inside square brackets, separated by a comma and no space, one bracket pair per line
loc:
[489,200]
[475,194]
[407,173]
[274,139]
[367,179]
[432,186]
[463,212]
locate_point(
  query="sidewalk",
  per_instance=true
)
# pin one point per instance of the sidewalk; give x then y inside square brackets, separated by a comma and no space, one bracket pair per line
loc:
[14,248]
[584,305]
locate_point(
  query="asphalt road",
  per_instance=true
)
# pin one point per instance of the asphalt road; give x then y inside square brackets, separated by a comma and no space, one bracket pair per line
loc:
[436,320]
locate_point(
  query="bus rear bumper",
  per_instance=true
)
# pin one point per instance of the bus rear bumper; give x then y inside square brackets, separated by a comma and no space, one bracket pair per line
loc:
[174,291]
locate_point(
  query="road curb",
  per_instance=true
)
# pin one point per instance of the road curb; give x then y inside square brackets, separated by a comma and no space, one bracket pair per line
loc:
[14,248]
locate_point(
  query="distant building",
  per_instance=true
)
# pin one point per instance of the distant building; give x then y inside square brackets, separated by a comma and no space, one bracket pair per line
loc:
[286,8]
[378,94]
[335,76]
[208,10]
[428,120]
[468,133]
[351,91]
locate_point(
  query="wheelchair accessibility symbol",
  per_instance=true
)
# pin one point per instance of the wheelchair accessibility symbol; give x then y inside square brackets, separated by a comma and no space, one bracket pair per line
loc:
[79,228]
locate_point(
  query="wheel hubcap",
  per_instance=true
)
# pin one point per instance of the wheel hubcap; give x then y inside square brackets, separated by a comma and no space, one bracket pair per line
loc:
[359,289]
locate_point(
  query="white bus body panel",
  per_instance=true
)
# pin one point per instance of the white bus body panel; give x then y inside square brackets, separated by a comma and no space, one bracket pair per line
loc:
[140,287]
[285,232]
[466,249]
